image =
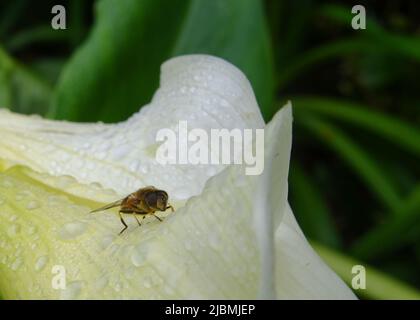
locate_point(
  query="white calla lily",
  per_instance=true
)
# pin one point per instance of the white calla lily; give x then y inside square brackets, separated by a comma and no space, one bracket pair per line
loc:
[232,236]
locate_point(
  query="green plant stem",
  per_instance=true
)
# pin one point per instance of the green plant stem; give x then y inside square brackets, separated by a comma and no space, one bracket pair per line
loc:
[393,232]
[378,284]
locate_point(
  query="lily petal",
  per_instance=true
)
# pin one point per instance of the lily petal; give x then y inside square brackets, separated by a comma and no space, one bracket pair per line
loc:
[206,249]
[286,256]
[300,272]
[206,91]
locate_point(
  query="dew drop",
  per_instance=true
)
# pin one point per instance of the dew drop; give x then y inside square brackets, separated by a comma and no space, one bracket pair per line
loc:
[7,184]
[16,264]
[147,283]
[168,290]
[240,181]
[144,169]
[106,241]
[40,263]
[64,182]
[118,286]
[104,146]
[101,155]
[72,230]
[214,240]
[138,257]
[134,166]
[224,103]
[130,272]
[95,185]
[101,283]
[31,205]
[13,230]
[19,197]
[120,152]
[187,245]
[72,290]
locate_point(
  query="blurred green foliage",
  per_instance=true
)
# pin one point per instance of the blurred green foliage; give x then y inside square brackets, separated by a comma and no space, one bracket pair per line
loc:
[354,180]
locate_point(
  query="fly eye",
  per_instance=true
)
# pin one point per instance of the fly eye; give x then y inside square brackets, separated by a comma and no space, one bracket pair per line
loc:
[151,199]
[159,197]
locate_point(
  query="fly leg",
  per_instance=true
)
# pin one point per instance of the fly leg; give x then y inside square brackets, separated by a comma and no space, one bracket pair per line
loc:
[143,214]
[135,216]
[123,222]
[170,207]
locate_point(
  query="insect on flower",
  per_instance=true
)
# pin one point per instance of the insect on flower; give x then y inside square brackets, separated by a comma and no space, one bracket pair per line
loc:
[143,202]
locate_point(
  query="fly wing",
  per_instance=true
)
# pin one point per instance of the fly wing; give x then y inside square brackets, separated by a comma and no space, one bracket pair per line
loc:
[109,206]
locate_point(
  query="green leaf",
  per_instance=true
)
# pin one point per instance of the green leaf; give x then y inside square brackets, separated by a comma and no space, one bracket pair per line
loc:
[378,284]
[390,128]
[394,232]
[356,157]
[117,69]
[21,90]
[312,214]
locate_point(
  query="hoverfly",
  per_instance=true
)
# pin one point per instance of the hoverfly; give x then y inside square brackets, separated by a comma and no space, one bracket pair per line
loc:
[143,202]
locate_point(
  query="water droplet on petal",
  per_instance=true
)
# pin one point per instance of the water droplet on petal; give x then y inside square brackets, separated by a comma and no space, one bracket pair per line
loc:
[40,263]
[187,245]
[32,230]
[214,240]
[13,230]
[168,290]
[147,283]
[31,205]
[63,182]
[118,286]
[72,290]
[72,230]
[16,264]
[7,184]
[107,240]
[120,151]
[139,255]
[101,283]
